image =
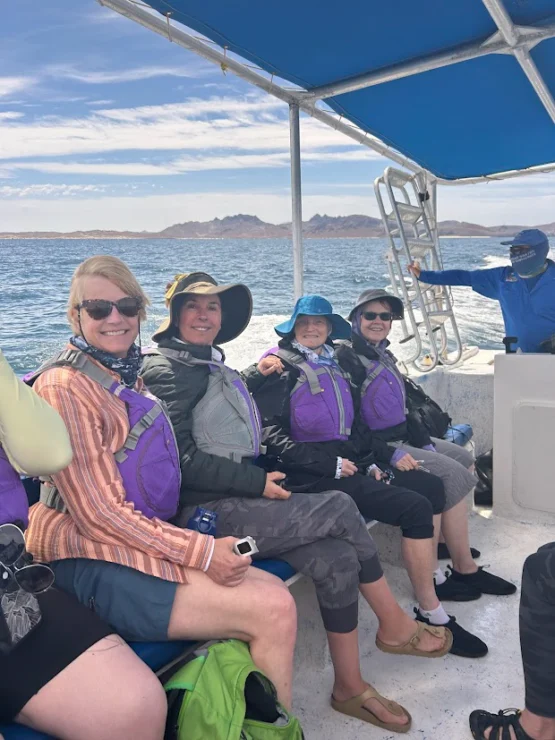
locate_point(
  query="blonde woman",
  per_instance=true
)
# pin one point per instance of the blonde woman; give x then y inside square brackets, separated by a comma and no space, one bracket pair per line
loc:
[66,676]
[104,521]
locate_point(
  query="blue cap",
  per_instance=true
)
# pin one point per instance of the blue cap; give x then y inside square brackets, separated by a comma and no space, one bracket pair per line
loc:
[315,305]
[528,238]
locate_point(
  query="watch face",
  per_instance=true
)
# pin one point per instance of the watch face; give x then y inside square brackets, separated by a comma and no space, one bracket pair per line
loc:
[244,548]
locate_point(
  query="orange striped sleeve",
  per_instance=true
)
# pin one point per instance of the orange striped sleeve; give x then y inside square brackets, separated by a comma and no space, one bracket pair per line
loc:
[91,485]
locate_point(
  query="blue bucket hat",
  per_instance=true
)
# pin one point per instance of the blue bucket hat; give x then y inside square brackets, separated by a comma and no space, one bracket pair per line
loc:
[315,305]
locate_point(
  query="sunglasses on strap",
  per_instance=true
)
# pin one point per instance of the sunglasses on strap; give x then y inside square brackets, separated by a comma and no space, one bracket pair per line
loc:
[99,309]
[34,578]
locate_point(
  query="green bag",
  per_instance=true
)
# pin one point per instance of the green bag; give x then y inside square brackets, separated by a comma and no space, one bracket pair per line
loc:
[221,695]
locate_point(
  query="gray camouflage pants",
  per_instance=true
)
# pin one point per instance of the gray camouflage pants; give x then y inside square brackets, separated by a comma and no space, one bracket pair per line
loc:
[537,630]
[321,535]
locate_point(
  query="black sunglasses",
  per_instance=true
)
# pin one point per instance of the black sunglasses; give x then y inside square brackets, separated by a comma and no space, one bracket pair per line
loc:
[372,315]
[99,309]
[33,578]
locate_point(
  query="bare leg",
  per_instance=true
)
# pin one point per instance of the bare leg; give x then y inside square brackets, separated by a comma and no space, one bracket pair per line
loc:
[455,529]
[106,693]
[259,611]
[419,561]
[395,626]
[348,680]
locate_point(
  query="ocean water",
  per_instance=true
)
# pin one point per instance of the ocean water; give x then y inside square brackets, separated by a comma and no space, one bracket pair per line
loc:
[35,275]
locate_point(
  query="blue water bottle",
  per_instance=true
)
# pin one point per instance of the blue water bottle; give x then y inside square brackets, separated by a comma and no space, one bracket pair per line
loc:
[203,520]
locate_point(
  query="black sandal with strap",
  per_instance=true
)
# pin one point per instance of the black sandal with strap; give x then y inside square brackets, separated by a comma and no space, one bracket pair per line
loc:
[500,725]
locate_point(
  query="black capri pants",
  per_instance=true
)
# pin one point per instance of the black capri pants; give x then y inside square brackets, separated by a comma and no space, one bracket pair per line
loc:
[409,502]
[537,630]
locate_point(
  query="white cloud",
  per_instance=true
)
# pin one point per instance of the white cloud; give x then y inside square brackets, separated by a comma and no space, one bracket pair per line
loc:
[131,169]
[226,161]
[250,124]
[10,85]
[10,115]
[133,74]
[100,102]
[47,190]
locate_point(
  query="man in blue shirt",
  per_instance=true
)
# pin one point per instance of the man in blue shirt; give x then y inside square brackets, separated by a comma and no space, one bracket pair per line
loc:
[525,290]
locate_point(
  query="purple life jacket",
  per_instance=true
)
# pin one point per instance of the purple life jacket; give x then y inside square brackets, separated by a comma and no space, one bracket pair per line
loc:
[226,420]
[148,462]
[13,497]
[321,402]
[382,396]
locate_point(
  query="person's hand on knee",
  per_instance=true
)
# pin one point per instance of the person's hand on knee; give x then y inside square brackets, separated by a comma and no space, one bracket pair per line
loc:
[348,468]
[407,462]
[226,567]
[273,489]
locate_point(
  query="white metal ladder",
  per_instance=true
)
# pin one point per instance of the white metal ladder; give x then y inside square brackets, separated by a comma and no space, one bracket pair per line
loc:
[411,229]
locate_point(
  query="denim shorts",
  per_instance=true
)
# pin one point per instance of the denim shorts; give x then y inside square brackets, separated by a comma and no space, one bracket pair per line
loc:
[136,605]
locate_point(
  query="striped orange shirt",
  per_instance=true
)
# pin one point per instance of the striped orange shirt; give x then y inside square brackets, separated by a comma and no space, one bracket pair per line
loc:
[100,523]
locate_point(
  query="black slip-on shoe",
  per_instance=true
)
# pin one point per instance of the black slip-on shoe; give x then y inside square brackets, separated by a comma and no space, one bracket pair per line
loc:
[465,644]
[452,590]
[500,722]
[444,554]
[486,583]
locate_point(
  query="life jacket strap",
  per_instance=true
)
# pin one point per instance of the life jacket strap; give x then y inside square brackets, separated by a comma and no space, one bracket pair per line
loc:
[174,354]
[137,431]
[50,497]
[371,377]
[298,361]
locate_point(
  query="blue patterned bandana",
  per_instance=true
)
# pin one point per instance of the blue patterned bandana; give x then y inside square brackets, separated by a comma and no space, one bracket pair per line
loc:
[127,367]
[326,356]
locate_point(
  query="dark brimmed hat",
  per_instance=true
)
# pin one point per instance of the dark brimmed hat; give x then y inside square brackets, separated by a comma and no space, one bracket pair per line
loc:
[315,305]
[379,294]
[236,303]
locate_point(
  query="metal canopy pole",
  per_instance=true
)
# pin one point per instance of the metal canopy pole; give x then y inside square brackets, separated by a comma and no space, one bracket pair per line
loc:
[512,37]
[494,45]
[296,199]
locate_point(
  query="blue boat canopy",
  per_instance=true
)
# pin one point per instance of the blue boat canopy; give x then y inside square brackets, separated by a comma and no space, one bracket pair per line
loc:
[463,88]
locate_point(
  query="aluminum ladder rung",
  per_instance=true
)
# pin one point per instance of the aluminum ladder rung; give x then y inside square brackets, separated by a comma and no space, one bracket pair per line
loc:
[399,179]
[417,252]
[420,243]
[438,318]
[409,214]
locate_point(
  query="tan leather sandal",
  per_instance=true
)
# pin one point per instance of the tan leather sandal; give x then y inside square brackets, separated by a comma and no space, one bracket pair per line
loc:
[411,647]
[355,708]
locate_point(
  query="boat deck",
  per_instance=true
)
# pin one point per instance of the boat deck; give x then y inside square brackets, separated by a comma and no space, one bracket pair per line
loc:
[439,693]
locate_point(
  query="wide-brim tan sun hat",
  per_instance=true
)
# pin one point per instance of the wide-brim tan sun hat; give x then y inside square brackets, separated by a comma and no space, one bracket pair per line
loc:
[379,294]
[236,303]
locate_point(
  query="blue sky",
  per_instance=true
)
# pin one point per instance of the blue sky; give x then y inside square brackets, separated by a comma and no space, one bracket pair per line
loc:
[104,124]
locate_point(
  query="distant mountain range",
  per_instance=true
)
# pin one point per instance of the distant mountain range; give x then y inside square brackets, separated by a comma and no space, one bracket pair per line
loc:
[251,227]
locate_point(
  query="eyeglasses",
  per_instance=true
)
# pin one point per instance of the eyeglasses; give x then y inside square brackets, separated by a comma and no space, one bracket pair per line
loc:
[34,578]
[372,315]
[99,309]
[517,250]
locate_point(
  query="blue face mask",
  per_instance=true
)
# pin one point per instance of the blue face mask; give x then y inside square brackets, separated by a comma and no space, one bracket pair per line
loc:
[529,261]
